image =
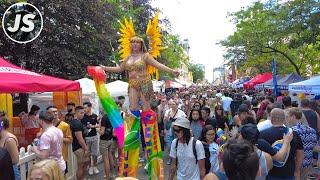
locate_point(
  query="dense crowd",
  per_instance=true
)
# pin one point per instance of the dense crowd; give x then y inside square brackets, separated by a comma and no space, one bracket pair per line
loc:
[207,132]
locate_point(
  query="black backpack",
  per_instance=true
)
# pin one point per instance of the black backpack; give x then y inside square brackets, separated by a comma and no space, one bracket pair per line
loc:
[194,150]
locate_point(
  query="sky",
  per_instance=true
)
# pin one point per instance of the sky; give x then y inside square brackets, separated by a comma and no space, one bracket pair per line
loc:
[204,23]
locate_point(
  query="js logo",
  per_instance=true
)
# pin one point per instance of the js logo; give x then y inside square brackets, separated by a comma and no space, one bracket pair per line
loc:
[22,22]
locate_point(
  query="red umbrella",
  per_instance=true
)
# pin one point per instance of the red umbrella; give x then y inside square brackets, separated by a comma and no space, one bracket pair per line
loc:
[14,79]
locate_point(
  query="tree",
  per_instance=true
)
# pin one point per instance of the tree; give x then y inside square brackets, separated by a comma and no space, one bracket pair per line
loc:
[197,72]
[286,31]
[75,34]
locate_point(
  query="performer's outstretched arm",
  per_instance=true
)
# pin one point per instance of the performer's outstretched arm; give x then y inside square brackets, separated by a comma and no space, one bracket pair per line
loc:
[117,69]
[160,66]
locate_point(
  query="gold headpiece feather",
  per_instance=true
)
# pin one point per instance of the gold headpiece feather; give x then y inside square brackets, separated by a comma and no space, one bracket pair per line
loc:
[154,37]
[127,33]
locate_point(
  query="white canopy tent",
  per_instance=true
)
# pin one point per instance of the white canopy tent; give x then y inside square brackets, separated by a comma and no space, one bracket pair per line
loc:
[116,88]
[311,86]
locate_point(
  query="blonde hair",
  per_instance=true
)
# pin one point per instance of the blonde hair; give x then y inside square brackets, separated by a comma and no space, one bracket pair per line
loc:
[139,39]
[50,168]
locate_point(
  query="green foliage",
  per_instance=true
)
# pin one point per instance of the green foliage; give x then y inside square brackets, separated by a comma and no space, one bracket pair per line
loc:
[197,72]
[81,33]
[288,32]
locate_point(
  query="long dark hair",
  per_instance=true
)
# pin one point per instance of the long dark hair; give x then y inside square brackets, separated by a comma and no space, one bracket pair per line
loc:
[186,134]
[190,115]
[218,107]
[314,106]
[204,131]
[240,161]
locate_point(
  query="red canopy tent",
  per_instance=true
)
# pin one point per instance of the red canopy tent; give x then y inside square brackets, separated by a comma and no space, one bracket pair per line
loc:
[260,78]
[14,79]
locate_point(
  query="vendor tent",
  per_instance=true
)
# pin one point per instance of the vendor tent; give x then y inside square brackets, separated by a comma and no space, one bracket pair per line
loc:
[116,88]
[268,84]
[241,82]
[311,85]
[260,78]
[16,79]
[288,79]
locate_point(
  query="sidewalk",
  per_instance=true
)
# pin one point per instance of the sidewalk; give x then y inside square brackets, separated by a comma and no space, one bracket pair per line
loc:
[142,174]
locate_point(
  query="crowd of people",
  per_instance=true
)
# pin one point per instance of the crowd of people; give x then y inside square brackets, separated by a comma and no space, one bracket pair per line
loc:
[230,134]
[207,132]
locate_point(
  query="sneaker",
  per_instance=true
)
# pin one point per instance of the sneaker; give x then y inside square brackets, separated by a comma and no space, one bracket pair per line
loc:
[146,167]
[311,176]
[141,160]
[91,171]
[96,170]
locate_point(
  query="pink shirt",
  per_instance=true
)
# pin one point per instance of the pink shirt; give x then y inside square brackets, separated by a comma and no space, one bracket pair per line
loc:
[52,140]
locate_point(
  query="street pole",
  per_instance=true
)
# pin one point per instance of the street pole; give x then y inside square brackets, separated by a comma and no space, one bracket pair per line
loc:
[274,76]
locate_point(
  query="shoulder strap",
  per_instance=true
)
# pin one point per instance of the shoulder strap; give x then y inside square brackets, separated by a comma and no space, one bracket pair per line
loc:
[176,151]
[194,149]
[220,175]
[5,142]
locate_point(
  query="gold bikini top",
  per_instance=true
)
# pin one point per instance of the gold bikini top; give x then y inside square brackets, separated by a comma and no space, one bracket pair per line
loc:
[138,65]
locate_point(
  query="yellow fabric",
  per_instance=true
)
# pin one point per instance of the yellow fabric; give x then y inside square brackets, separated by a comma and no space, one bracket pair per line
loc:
[153,32]
[137,66]
[6,106]
[133,83]
[65,128]
[127,32]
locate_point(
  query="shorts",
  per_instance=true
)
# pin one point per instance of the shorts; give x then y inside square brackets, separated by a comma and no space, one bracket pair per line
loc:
[105,146]
[93,145]
[81,158]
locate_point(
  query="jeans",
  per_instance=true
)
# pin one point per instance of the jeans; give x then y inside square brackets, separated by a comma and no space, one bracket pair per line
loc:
[169,139]
[16,172]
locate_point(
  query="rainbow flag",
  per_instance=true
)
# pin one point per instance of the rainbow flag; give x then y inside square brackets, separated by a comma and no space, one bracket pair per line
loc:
[108,103]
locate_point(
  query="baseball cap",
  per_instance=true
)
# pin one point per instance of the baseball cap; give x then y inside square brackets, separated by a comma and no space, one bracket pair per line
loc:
[182,122]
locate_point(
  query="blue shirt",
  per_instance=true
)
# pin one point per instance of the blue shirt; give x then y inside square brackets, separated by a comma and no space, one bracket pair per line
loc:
[309,140]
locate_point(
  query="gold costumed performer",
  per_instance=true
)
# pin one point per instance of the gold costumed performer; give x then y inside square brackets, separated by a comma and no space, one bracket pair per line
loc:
[140,65]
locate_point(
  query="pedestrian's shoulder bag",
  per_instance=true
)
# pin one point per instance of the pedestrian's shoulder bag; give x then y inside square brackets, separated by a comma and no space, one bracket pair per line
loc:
[277,146]
[171,119]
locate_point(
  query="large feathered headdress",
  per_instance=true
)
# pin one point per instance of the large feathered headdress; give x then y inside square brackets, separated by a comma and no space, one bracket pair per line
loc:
[153,32]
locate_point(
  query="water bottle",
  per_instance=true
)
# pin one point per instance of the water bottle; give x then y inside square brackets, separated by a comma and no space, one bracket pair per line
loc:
[36,142]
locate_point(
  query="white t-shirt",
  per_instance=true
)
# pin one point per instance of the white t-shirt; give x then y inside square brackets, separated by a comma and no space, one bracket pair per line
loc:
[264,125]
[170,113]
[52,140]
[226,101]
[187,167]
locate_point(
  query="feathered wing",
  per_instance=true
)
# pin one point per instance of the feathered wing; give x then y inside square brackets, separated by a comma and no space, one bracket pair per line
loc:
[155,42]
[126,33]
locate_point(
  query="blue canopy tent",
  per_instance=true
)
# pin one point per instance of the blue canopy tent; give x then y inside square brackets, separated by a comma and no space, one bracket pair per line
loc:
[311,86]
[288,79]
[242,81]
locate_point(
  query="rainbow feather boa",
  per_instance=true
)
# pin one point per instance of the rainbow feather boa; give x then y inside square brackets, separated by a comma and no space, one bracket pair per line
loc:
[108,102]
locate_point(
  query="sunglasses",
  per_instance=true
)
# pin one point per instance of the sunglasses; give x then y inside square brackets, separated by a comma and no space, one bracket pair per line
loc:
[176,130]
